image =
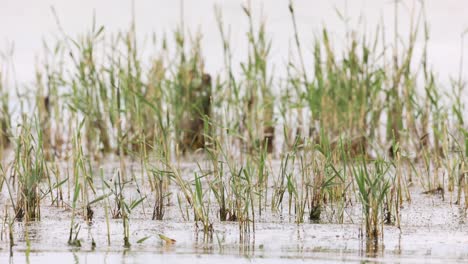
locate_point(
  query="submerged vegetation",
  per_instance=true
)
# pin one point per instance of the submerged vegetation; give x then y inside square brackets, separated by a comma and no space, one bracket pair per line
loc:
[362,126]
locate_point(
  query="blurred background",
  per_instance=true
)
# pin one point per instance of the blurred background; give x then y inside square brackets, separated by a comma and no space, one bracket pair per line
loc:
[25,24]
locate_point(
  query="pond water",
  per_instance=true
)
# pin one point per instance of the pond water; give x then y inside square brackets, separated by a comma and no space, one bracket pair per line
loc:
[433,229]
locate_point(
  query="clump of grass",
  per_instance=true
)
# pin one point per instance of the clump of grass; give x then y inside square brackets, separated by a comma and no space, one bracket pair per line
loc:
[219,184]
[123,207]
[258,99]
[29,168]
[201,210]
[44,116]
[194,197]
[88,95]
[190,94]
[78,164]
[51,100]
[318,184]
[373,186]
[159,187]
[279,184]
[5,122]
[7,219]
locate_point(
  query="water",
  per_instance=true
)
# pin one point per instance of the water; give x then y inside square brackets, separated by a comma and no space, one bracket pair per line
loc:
[433,229]
[419,240]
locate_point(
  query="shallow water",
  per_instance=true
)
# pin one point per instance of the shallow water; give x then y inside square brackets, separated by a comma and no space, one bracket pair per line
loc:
[272,243]
[433,230]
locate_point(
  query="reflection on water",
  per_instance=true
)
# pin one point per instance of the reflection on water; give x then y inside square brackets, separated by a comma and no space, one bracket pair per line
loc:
[271,243]
[431,229]
[371,248]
